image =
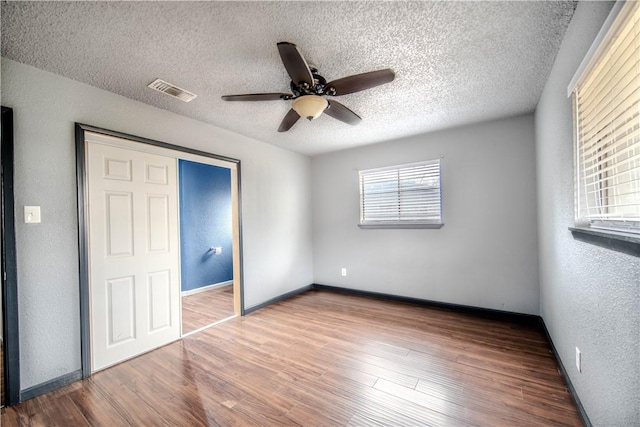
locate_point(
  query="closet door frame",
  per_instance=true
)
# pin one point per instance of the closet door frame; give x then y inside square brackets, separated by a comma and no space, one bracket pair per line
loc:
[83,230]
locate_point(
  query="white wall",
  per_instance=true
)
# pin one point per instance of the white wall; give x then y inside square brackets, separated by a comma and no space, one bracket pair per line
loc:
[275,205]
[589,296]
[486,253]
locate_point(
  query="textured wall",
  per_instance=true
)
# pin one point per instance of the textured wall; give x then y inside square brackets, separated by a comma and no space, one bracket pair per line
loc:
[205,221]
[275,205]
[486,253]
[589,296]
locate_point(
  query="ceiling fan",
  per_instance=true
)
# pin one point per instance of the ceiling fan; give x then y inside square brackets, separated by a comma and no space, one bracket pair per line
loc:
[309,89]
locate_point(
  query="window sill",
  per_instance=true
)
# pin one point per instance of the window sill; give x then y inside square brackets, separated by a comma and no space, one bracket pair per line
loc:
[400,226]
[627,243]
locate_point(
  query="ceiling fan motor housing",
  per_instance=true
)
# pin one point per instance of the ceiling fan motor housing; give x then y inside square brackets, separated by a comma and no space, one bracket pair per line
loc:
[318,88]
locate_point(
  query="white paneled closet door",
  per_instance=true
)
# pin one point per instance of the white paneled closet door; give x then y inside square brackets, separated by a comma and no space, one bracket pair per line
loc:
[134,252]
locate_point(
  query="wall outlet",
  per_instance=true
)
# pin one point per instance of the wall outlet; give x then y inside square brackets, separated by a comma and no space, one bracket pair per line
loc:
[578,359]
[344,271]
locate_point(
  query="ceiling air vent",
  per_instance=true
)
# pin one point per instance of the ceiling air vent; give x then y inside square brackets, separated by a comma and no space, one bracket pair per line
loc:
[172,90]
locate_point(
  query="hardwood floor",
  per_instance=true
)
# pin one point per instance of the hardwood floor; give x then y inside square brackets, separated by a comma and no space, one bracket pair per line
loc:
[327,359]
[205,308]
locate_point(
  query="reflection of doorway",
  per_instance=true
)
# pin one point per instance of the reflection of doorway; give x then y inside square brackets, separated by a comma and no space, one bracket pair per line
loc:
[143,290]
[206,244]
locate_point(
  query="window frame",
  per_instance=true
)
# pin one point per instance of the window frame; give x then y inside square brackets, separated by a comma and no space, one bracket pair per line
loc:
[618,234]
[400,223]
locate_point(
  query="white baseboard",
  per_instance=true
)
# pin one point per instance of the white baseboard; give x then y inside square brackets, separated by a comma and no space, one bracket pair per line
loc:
[206,288]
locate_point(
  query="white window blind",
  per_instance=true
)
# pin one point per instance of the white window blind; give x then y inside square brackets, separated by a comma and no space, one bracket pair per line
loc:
[401,195]
[607,119]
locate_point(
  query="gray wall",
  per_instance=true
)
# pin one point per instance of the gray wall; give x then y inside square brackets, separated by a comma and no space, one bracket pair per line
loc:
[275,205]
[486,253]
[589,296]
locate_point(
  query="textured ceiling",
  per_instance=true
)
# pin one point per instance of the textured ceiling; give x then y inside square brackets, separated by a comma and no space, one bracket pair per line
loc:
[455,62]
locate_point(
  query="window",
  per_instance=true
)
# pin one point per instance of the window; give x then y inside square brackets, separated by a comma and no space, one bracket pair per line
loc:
[404,196]
[606,96]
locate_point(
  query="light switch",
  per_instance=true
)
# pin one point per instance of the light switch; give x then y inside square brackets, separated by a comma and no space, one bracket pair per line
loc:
[32,214]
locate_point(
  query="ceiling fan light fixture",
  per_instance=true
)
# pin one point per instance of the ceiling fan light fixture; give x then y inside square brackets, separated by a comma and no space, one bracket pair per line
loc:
[310,106]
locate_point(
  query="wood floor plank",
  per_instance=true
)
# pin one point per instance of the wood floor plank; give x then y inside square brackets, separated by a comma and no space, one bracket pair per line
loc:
[207,307]
[326,359]
[95,409]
